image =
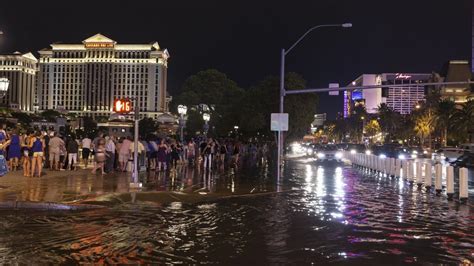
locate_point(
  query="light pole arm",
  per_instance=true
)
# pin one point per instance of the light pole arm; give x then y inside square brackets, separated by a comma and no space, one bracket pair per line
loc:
[307,32]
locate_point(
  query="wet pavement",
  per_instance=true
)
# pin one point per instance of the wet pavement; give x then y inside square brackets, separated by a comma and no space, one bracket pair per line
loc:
[324,213]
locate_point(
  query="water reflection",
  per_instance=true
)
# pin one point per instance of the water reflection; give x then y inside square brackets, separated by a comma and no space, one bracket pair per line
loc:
[328,214]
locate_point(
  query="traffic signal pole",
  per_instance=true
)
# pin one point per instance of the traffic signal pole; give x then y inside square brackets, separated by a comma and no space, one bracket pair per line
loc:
[135,183]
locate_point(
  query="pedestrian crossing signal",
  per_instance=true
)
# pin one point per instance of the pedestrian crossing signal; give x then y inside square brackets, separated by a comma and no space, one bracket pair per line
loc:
[122,106]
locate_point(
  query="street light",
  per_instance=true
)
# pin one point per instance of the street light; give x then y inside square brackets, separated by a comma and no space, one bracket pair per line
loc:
[182,110]
[363,127]
[282,81]
[4,83]
[206,117]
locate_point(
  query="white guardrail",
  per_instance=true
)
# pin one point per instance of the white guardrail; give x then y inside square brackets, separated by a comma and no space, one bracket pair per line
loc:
[413,171]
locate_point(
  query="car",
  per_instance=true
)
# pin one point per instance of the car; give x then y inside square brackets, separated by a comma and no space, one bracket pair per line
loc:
[466,160]
[357,148]
[449,154]
[385,151]
[329,153]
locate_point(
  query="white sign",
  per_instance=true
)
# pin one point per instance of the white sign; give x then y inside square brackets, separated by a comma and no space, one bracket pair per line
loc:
[334,85]
[279,122]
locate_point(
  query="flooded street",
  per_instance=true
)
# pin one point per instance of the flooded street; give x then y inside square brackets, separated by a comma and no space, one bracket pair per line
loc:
[324,214]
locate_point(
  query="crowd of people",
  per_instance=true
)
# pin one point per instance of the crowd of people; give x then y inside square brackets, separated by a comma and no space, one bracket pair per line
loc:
[32,151]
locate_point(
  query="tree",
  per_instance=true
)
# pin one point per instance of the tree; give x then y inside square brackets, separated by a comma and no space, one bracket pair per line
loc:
[261,100]
[424,126]
[372,128]
[444,112]
[146,126]
[90,126]
[23,118]
[390,121]
[463,121]
[50,115]
[217,91]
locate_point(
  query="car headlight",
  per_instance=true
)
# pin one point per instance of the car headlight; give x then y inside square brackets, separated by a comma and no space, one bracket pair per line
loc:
[321,155]
[368,152]
[415,152]
[338,155]
[353,151]
[401,157]
[425,152]
[413,156]
[383,156]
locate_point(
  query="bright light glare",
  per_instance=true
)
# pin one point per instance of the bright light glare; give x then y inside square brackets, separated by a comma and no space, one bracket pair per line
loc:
[321,155]
[383,156]
[415,152]
[338,155]
[368,152]
[413,156]
[425,152]
[353,151]
[401,157]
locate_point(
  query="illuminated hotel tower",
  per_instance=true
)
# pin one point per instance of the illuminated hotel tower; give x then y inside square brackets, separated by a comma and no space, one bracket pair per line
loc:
[20,70]
[86,78]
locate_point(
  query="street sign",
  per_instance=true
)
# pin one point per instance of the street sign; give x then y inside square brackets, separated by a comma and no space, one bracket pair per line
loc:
[334,85]
[122,106]
[279,122]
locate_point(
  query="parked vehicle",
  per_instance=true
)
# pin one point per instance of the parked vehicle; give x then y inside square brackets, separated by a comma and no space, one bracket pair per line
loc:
[329,153]
[468,147]
[466,160]
[449,154]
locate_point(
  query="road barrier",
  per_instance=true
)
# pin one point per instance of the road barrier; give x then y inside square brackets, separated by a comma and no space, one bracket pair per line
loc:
[420,172]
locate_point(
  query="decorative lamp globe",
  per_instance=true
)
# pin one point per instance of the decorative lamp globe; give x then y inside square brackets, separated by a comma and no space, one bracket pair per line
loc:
[4,83]
[206,117]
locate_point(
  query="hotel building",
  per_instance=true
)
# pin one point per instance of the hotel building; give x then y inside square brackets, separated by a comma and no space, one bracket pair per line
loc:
[86,78]
[20,70]
[400,99]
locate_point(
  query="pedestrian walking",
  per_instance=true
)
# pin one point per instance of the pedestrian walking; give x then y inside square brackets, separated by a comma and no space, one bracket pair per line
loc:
[99,156]
[110,151]
[86,150]
[72,148]
[124,153]
[14,150]
[161,155]
[55,146]
[37,147]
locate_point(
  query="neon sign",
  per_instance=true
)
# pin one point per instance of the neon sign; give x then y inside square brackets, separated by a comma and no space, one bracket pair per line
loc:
[122,106]
[402,76]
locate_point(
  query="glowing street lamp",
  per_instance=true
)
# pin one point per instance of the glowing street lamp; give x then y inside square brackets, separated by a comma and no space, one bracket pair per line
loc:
[4,83]
[206,117]
[182,110]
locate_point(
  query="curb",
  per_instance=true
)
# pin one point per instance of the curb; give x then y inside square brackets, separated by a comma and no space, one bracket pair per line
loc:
[45,206]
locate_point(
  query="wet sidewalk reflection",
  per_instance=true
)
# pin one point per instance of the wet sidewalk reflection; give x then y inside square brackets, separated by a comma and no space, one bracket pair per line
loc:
[69,186]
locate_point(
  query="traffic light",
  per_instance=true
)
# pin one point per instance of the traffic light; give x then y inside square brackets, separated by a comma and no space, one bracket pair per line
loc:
[122,106]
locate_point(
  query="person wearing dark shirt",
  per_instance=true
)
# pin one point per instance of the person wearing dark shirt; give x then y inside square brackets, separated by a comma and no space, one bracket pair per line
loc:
[72,148]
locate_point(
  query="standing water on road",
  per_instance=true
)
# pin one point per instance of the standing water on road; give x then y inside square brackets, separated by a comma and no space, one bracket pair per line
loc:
[324,214]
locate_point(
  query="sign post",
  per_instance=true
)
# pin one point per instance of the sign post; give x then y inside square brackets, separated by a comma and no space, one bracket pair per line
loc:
[279,123]
[124,106]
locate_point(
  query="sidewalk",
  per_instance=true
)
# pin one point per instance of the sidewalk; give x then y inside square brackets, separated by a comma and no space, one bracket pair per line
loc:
[186,184]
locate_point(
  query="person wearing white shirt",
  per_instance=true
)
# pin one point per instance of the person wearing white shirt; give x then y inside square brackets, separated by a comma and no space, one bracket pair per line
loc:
[86,150]
[110,151]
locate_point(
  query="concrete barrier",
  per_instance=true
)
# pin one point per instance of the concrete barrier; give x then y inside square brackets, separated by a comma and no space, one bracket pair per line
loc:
[398,166]
[428,176]
[450,181]
[463,184]
[419,174]
[438,178]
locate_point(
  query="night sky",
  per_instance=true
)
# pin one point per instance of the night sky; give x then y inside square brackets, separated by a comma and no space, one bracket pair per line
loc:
[243,38]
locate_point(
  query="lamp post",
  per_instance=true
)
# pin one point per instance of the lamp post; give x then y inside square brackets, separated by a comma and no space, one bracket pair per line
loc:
[206,117]
[4,83]
[236,128]
[282,81]
[363,128]
[182,110]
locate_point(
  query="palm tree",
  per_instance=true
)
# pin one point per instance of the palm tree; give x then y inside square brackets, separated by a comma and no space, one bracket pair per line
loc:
[389,120]
[424,126]
[462,121]
[444,112]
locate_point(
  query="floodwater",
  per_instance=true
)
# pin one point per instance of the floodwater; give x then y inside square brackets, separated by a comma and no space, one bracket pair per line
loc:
[324,214]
